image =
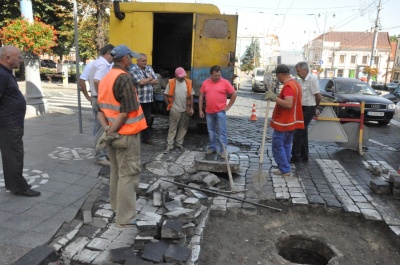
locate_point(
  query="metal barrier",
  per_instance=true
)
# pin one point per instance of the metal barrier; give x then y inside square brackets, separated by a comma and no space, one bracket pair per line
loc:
[359,120]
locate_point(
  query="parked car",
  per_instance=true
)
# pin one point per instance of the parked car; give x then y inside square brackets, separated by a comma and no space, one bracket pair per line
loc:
[258,80]
[378,85]
[394,95]
[350,90]
[48,63]
[391,86]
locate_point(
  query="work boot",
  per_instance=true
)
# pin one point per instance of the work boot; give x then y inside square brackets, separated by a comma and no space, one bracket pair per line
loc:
[222,155]
[210,151]
[181,148]
[167,150]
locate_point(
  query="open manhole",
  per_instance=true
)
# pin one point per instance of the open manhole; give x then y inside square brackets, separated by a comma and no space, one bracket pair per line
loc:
[165,169]
[304,250]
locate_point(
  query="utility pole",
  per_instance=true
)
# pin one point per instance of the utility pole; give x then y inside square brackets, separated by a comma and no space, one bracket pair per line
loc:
[377,22]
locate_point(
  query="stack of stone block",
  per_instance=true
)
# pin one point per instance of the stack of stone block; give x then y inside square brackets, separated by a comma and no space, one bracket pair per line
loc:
[392,185]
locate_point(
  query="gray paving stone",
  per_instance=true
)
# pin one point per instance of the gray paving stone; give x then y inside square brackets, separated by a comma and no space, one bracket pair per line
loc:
[370,214]
[332,202]
[358,198]
[155,251]
[86,256]
[352,208]
[177,254]
[99,244]
[315,199]
[120,255]
[110,234]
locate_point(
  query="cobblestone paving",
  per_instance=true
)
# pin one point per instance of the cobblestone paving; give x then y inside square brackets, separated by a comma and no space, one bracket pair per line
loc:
[334,178]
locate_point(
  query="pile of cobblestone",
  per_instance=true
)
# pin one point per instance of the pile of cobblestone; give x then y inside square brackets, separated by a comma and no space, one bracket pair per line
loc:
[168,227]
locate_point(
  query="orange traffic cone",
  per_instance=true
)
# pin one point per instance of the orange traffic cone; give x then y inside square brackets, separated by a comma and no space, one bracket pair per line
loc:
[253,116]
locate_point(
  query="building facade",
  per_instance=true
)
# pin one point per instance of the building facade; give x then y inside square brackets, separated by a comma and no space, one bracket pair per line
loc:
[346,54]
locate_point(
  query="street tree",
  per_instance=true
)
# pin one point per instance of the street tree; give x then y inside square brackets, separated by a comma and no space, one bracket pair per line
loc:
[55,13]
[252,56]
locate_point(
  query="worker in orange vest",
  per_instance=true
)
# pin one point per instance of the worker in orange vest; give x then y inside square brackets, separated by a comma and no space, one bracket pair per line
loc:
[178,97]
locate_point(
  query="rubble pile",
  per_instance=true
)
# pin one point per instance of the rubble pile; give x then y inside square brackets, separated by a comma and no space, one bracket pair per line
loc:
[384,182]
[168,227]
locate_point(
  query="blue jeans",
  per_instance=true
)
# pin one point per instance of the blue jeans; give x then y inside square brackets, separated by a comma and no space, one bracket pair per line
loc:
[282,149]
[216,126]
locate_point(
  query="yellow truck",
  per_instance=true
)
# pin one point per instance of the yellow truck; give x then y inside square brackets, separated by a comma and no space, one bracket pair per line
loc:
[189,35]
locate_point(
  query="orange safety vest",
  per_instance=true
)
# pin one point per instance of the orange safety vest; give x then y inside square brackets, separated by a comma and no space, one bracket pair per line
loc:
[284,119]
[170,96]
[136,121]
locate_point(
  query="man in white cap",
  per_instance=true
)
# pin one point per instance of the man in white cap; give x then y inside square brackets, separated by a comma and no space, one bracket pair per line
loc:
[122,118]
[178,97]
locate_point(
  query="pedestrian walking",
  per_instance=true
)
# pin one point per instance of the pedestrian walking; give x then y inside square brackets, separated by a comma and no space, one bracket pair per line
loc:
[122,118]
[144,78]
[178,97]
[311,97]
[12,116]
[214,90]
[286,118]
[99,69]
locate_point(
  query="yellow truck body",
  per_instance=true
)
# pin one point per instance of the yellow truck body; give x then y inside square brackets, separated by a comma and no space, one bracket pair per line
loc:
[189,35]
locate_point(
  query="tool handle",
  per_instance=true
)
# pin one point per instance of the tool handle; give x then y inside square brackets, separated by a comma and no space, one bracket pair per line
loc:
[264,132]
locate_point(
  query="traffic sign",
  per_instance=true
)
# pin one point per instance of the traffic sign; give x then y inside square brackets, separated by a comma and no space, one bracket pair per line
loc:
[321,62]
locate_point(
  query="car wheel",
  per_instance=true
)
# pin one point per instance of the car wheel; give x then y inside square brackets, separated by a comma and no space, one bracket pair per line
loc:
[383,122]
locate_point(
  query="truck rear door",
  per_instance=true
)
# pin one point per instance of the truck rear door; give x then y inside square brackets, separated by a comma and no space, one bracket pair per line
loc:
[214,43]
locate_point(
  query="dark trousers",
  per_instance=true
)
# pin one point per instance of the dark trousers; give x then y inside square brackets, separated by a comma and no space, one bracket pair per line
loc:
[146,107]
[300,139]
[12,154]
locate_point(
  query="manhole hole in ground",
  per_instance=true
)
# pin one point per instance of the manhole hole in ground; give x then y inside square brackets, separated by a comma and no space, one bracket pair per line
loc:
[304,250]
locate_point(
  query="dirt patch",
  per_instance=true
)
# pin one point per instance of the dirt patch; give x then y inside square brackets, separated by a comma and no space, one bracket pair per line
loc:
[252,239]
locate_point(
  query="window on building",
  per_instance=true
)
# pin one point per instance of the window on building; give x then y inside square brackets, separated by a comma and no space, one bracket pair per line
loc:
[329,59]
[353,59]
[316,56]
[341,58]
[364,60]
[376,60]
[340,73]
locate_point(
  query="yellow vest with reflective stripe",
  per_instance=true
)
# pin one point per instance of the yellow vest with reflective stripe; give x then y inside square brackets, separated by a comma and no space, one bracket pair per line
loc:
[136,121]
[171,94]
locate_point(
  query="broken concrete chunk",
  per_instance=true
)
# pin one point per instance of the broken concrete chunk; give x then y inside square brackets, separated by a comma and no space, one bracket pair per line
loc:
[211,180]
[177,254]
[147,228]
[377,171]
[155,251]
[171,229]
[199,195]
[191,203]
[141,241]
[142,188]
[393,176]
[186,215]
[157,198]
[191,170]
[204,173]
[194,185]
[155,187]
[196,178]
[173,205]
[189,229]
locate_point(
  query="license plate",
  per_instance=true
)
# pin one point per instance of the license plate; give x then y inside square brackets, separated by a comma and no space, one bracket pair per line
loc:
[372,113]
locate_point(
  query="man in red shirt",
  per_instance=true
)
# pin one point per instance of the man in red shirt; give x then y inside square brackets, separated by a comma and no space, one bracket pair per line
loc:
[287,117]
[215,90]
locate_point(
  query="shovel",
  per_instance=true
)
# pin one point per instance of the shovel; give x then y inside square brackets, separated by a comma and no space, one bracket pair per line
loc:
[260,177]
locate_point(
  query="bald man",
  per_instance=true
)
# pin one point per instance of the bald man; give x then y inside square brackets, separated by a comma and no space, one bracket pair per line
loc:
[12,116]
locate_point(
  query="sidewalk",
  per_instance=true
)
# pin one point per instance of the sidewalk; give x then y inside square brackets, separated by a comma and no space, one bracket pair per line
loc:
[59,163]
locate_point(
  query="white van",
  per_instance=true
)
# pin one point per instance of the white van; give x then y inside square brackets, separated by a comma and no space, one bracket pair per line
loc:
[258,80]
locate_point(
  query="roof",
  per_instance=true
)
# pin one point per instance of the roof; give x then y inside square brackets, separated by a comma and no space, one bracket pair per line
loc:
[353,39]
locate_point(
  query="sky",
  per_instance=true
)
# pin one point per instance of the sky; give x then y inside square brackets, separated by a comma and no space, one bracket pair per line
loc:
[296,22]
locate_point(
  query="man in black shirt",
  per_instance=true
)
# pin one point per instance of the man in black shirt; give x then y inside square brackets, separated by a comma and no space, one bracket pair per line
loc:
[12,116]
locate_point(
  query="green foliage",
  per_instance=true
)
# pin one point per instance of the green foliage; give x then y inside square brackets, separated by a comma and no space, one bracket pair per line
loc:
[251,58]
